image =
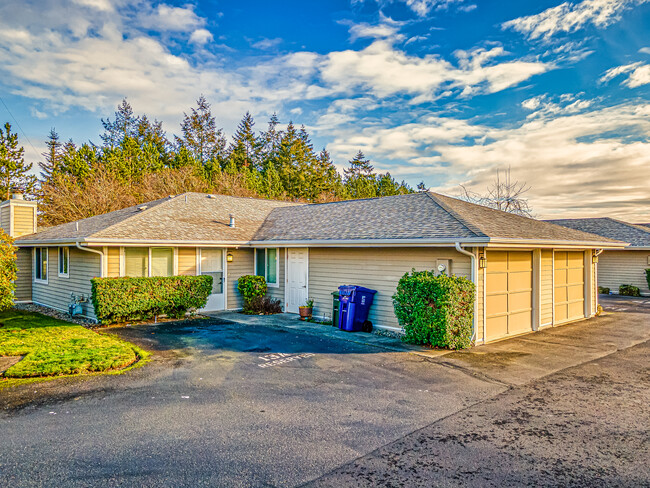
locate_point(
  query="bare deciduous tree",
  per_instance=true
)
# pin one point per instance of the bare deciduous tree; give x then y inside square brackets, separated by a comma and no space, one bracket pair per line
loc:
[503,194]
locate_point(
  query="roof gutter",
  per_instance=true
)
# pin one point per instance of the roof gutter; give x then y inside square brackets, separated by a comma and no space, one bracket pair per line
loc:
[474,278]
[417,242]
[101,257]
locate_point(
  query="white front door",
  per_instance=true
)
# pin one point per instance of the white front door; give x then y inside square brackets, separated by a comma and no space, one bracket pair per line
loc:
[211,263]
[297,270]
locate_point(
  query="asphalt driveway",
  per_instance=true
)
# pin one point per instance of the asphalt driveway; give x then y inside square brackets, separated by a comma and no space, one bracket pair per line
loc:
[226,404]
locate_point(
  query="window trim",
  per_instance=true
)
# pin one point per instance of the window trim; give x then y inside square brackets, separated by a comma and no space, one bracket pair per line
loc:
[277,266]
[47,266]
[66,251]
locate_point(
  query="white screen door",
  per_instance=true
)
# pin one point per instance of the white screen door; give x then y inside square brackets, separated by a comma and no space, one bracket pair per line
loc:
[297,270]
[211,264]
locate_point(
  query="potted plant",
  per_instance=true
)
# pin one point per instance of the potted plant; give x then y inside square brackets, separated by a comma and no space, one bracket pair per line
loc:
[306,309]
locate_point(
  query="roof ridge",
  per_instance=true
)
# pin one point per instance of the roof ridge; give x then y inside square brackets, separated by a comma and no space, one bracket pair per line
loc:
[471,227]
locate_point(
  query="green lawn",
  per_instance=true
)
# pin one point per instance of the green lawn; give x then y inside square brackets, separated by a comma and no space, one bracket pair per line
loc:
[52,347]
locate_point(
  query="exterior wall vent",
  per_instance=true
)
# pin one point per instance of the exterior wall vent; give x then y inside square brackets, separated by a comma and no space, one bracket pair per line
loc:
[143,207]
[232,221]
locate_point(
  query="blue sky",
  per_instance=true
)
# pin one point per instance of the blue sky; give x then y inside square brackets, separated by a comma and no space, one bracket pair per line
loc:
[445,91]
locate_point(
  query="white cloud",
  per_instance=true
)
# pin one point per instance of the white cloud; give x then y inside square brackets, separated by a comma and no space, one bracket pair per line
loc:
[384,70]
[570,17]
[377,31]
[422,8]
[201,36]
[638,74]
[587,163]
[645,50]
[267,43]
[543,105]
[173,19]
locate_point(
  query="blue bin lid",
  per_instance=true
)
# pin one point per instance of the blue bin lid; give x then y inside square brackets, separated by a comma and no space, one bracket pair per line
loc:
[350,289]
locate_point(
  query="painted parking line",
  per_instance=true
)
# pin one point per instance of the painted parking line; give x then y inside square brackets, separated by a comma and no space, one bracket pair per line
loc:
[279,358]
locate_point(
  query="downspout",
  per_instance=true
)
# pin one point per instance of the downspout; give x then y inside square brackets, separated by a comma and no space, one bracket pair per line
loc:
[474,279]
[101,257]
[597,253]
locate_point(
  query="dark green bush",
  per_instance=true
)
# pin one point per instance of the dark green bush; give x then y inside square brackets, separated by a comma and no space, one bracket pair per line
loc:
[603,290]
[647,276]
[264,306]
[251,287]
[121,299]
[629,291]
[435,310]
[8,271]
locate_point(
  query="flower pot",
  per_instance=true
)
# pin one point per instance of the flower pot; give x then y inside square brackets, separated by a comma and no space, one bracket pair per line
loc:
[305,312]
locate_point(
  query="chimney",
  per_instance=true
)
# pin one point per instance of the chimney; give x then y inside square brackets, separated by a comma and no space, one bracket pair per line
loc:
[18,216]
[232,221]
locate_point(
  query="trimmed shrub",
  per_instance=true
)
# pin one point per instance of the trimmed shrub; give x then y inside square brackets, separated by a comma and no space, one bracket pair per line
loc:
[264,306]
[8,271]
[121,299]
[603,290]
[629,291]
[435,310]
[647,276]
[251,287]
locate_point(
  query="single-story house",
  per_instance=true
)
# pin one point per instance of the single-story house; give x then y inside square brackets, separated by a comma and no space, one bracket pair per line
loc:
[528,274]
[618,267]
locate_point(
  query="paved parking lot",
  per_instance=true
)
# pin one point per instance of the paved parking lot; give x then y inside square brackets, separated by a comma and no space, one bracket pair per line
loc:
[227,404]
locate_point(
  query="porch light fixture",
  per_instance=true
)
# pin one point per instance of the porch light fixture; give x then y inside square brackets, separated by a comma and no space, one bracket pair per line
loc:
[482,262]
[229,257]
[594,259]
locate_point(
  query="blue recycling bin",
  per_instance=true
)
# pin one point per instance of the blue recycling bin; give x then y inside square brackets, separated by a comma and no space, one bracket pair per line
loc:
[355,302]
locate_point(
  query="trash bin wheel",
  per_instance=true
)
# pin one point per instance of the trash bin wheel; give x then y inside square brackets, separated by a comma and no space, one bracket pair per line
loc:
[367,326]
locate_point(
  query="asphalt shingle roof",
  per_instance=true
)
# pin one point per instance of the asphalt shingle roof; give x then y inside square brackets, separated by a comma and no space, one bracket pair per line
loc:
[186,217]
[636,235]
[200,217]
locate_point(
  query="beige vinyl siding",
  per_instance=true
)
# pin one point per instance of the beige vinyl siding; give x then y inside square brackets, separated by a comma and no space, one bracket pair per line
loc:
[113,262]
[5,218]
[376,268]
[187,261]
[84,266]
[546,312]
[616,268]
[242,264]
[23,220]
[24,281]
[278,292]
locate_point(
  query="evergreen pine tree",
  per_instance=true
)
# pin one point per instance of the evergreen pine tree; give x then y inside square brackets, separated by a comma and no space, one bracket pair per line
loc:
[244,148]
[125,125]
[359,178]
[53,156]
[200,134]
[13,169]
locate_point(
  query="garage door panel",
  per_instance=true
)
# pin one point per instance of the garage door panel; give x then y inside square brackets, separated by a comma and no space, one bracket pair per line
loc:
[575,292]
[575,259]
[519,262]
[561,276]
[561,294]
[520,322]
[498,261]
[518,302]
[560,257]
[520,281]
[561,313]
[576,309]
[497,304]
[497,327]
[498,283]
[575,276]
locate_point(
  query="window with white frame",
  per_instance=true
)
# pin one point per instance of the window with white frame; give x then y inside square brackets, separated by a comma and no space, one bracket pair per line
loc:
[64,262]
[266,264]
[40,264]
[162,261]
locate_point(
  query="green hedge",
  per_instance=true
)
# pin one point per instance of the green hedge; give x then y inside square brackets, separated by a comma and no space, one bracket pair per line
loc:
[647,276]
[121,299]
[252,288]
[629,290]
[435,310]
[603,290]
